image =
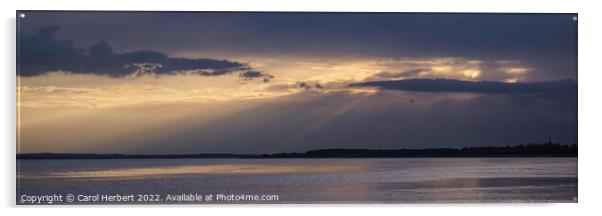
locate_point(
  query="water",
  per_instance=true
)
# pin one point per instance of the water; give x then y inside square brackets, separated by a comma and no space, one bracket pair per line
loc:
[406,180]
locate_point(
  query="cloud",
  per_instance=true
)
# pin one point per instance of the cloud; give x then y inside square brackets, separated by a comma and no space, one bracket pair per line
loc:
[309,86]
[248,75]
[396,75]
[448,85]
[40,52]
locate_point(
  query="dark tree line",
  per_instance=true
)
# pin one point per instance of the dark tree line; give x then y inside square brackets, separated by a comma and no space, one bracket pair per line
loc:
[529,150]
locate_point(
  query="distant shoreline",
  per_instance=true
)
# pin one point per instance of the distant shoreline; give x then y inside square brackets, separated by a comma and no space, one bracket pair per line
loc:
[530,150]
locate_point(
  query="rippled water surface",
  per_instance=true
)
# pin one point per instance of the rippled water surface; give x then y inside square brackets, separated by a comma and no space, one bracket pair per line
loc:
[406,180]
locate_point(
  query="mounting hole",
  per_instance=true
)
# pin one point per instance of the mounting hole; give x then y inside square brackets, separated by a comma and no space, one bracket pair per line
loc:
[22,15]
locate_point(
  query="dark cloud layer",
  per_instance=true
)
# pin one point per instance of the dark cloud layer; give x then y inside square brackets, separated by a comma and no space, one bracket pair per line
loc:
[447,85]
[40,52]
[545,42]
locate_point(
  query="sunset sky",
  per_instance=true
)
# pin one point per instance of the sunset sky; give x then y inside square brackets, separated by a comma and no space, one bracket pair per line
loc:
[158,82]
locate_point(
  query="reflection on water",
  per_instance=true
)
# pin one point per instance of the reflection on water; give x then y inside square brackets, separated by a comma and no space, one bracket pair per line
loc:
[196,169]
[315,180]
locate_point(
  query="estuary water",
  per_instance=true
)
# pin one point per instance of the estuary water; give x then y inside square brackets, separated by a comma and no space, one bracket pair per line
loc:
[198,181]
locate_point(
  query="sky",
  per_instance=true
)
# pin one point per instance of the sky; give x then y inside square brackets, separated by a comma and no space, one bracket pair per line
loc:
[217,82]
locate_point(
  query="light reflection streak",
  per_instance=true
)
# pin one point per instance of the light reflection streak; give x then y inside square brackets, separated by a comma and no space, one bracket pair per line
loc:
[198,169]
